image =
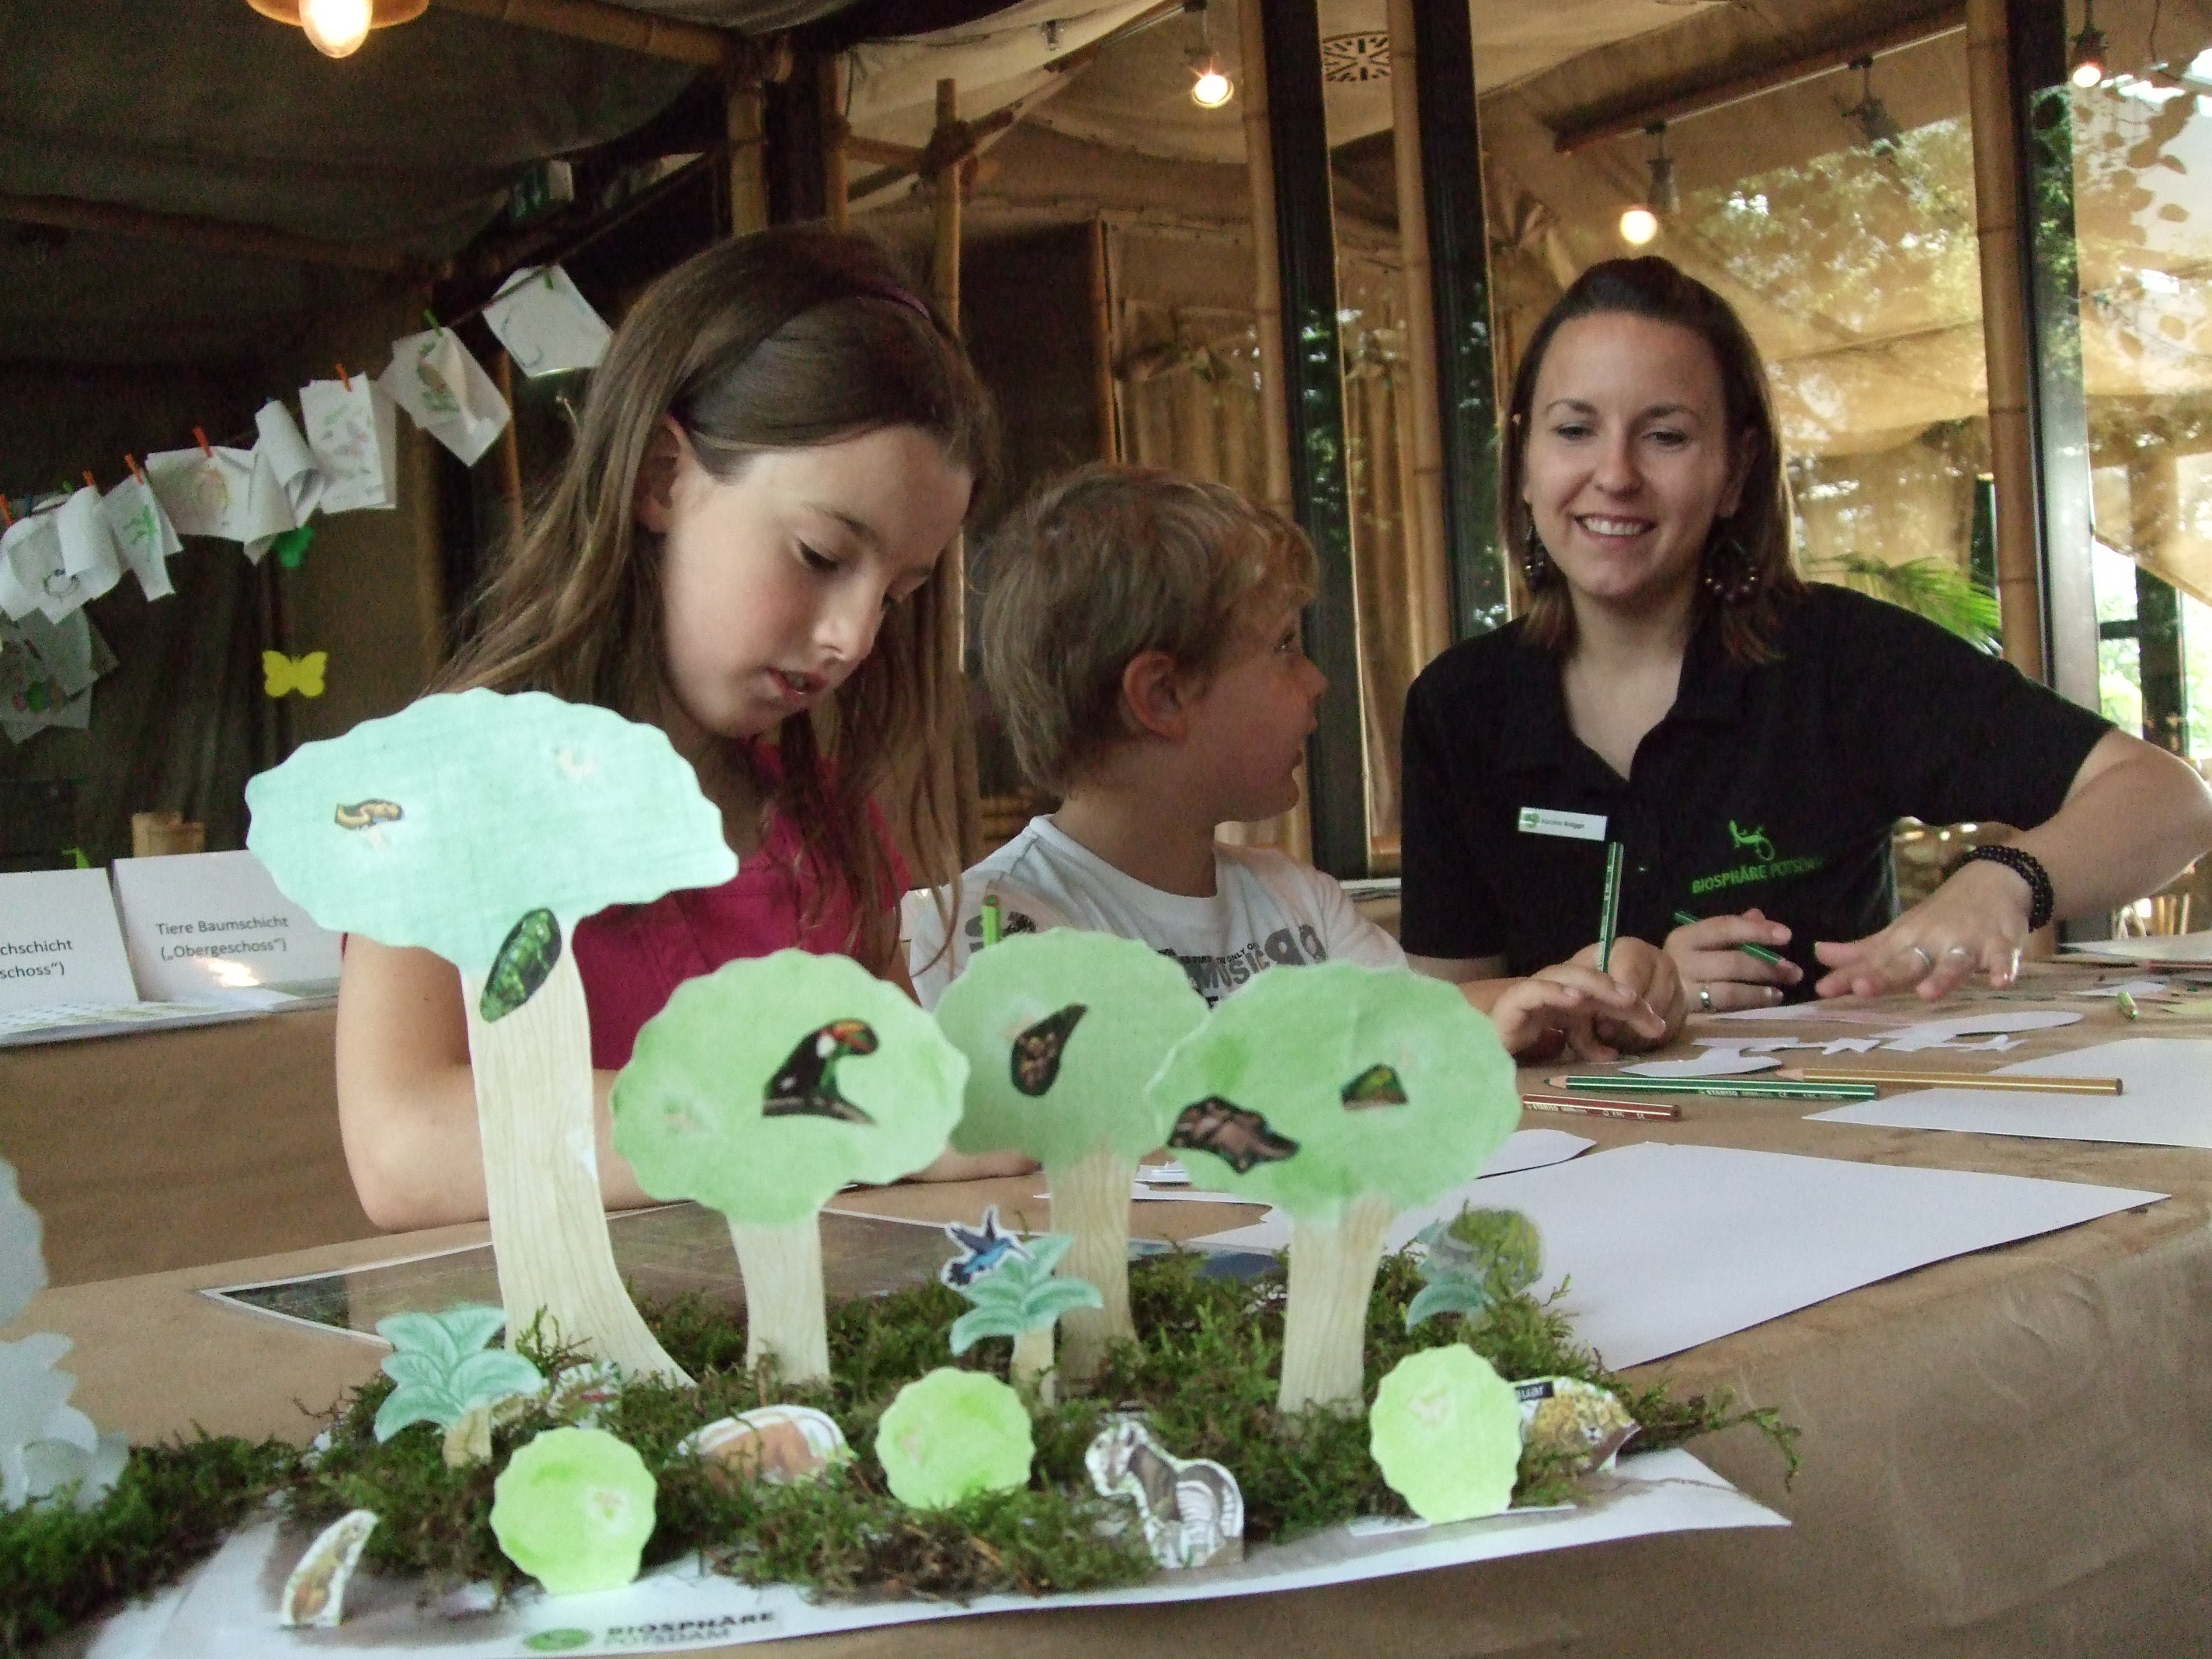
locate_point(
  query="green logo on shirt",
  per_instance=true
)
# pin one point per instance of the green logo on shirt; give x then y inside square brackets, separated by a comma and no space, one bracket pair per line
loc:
[1770,867]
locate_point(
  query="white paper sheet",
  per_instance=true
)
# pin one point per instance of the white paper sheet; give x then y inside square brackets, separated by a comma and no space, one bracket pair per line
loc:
[205,923]
[2160,947]
[354,431]
[32,549]
[2167,1099]
[67,1022]
[59,940]
[1670,1246]
[226,1610]
[142,534]
[74,715]
[546,325]
[291,461]
[1719,1062]
[1944,1033]
[206,492]
[438,382]
[88,549]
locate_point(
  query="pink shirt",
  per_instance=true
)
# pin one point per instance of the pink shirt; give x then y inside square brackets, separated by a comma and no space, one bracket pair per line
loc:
[632,957]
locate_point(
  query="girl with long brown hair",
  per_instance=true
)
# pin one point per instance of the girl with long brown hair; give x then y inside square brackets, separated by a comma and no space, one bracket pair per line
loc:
[745,549]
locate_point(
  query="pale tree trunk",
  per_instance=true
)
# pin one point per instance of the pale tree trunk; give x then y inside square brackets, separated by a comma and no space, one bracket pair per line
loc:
[1091,1204]
[784,1316]
[1325,1327]
[1033,1362]
[548,1225]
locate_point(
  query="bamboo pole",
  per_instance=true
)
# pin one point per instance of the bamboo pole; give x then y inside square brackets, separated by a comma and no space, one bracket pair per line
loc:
[1266,273]
[2005,337]
[945,260]
[629,27]
[509,466]
[745,115]
[1102,340]
[1428,588]
[835,186]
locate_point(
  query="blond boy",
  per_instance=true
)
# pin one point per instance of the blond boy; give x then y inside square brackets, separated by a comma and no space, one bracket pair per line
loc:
[1141,645]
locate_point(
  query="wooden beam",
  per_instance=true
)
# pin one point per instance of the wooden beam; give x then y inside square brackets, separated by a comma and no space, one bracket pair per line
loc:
[607,25]
[1582,130]
[1083,56]
[217,235]
[837,139]
[904,157]
[1266,261]
[1427,591]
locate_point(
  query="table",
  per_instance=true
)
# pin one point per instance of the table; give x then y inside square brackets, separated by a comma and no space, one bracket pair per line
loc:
[2005,1453]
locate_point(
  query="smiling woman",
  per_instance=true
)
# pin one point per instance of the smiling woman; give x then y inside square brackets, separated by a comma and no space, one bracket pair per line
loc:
[1674,688]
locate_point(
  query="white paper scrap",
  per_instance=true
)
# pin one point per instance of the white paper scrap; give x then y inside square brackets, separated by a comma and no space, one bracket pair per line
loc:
[354,432]
[226,1610]
[546,325]
[206,492]
[2165,1098]
[2133,988]
[1714,1062]
[32,549]
[143,533]
[88,549]
[438,382]
[286,452]
[1942,1033]
[2158,947]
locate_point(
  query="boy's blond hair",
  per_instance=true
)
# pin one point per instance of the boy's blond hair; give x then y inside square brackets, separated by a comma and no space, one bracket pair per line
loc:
[1108,562]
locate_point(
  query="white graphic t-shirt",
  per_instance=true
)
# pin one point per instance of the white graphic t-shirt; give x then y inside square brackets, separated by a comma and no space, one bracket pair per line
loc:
[1266,910]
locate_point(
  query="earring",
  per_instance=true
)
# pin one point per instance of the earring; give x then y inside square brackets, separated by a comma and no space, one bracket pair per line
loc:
[1729,575]
[1536,567]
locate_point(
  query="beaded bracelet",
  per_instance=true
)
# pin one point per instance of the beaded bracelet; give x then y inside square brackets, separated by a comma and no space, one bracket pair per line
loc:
[2029,868]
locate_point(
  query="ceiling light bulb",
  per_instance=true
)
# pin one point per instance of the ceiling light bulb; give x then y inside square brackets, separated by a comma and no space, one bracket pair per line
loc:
[2088,57]
[1638,225]
[336,26]
[1213,88]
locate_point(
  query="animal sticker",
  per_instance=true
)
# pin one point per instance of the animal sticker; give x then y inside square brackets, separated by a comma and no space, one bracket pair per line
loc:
[1037,1050]
[1191,1510]
[526,958]
[314,1594]
[806,1083]
[981,1252]
[363,813]
[1379,1085]
[1240,1139]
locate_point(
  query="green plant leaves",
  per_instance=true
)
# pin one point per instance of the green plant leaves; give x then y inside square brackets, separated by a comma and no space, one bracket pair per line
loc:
[444,1370]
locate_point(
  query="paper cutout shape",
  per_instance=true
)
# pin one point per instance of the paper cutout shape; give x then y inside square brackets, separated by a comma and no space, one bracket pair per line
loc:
[1714,1062]
[314,1596]
[438,382]
[23,1257]
[502,806]
[952,1434]
[1192,1510]
[1473,1261]
[1281,1053]
[448,1377]
[353,431]
[284,450]
[1941,1033]
[1566,1414]
[281,675]
[546,325]
[574,1510]
[88,550]
[1445,1430]
[46,1444]
[37,579]
[1062,1031]
[779,1445]
[204,492]
[1015,1293]
[764,1087]
[144,534]
[291,547]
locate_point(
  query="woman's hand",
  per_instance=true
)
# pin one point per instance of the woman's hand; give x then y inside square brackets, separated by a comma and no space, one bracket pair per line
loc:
[1976,922]
[1720,976]
[1561,1008]
[1649,976]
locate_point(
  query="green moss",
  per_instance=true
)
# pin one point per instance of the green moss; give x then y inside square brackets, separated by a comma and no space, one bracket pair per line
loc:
[59,1566]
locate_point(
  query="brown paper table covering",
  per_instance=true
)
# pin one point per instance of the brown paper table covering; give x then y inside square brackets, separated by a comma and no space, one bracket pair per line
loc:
[2006,1453]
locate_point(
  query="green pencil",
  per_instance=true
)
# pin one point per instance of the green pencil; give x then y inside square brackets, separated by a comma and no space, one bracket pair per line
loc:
[1609,919]
[1684,919]
[991,923]
[1724,1088]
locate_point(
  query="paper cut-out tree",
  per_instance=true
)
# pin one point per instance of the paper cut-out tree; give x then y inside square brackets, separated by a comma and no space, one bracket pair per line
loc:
[482,826]
[1062,1031]
[1343,1095]
[764,1087]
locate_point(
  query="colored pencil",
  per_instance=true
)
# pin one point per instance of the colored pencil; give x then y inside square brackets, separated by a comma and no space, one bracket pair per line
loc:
[1719,1088]
[2128,1009]
[1544,1103]
[1684,919]
[1608,920]
[991,923]
[2033,1085]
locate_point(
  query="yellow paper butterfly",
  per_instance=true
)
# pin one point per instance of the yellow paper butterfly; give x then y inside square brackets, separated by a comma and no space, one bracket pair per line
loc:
[281,673]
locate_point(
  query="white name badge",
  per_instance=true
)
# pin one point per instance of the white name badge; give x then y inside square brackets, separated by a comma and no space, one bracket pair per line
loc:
[59,940]
[203,922]
[1550,821]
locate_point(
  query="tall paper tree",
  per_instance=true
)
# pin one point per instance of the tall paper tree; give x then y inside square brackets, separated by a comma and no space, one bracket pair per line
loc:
[764,1087]
[1343,1095]
[484,827]
[1062,1031]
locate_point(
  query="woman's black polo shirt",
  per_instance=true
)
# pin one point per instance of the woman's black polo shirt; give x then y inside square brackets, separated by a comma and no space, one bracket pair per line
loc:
[1774,785]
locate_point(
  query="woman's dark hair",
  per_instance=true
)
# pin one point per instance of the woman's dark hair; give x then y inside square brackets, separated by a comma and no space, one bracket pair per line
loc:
[1752,545]
[793,337]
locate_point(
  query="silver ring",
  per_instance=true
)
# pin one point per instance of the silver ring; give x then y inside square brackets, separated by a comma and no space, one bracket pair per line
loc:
[1706,997]
[1927,962]
[1958,950]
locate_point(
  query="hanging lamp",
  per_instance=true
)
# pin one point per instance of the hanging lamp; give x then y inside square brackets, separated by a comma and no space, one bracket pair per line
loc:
[336,27]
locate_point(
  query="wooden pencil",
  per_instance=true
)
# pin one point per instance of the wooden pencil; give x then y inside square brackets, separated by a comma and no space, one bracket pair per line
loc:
[1768,1087]
[1544,1103]
[1608,920]
[2033,1085]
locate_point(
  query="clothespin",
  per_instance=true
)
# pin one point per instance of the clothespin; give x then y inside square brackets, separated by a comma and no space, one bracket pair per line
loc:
[436,327]
[548,274]
[131,461]
[200,434]
[344,379]
[90,483]
[7,518]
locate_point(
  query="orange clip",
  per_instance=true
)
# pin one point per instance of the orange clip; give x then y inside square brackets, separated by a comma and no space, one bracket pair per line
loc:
[131,461]
[7,518]
[200,433]
[90,483]
[344,379]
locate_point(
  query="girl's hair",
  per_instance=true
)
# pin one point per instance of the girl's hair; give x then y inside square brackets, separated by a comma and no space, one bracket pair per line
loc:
[1761,527]
[793,336]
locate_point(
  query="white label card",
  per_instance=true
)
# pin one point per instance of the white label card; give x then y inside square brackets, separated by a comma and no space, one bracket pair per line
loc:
[59,940]
[198,923]
[1551,821]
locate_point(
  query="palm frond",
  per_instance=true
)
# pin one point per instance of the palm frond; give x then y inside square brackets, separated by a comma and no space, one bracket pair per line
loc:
[1929,587]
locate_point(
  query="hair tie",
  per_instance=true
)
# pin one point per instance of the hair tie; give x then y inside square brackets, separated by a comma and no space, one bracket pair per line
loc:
[911,301]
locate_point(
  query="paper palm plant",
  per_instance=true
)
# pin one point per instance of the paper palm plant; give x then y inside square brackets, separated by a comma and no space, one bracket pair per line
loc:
[447,1376]
[1062,1031]
[764,1087]
[482,826]
[1475,1260]
[1342,1094]
[1018,1295]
